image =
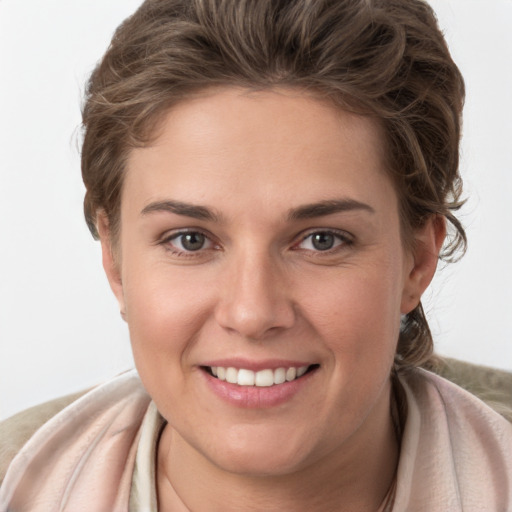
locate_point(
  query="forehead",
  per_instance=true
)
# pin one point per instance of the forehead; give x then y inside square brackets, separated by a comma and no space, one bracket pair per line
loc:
[230,114]
[282,145]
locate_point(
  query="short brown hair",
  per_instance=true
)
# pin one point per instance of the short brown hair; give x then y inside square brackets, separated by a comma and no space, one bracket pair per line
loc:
[382,58]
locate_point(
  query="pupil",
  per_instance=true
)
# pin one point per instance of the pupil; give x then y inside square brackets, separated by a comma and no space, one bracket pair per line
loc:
[193,241]
[323,241]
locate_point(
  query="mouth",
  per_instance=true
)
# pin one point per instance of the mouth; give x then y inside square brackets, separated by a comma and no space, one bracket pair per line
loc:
[263,378]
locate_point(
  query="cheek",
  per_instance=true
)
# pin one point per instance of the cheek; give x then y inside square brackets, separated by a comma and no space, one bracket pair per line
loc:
[165,312]
[357,317]
[354,310]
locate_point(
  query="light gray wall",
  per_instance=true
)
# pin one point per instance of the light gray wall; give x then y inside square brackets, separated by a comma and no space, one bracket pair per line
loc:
[60,329]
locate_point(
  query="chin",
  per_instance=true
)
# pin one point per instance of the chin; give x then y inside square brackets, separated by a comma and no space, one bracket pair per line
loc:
[261,454]
[261,465]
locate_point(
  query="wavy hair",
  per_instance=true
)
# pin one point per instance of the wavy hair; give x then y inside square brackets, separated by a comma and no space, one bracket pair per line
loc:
[382,58]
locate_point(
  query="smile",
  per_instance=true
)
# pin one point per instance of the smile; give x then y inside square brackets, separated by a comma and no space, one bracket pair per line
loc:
[262,378]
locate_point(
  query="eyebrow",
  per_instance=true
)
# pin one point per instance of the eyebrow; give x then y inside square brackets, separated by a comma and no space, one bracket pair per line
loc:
[308,211]
[180,208]
[328,207]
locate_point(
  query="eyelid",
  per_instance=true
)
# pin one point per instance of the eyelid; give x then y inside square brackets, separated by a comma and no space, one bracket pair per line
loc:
[346,238]
[176,233]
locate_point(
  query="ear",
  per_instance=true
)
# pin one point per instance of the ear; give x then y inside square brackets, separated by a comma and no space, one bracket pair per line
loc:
[111,263]
[426,247]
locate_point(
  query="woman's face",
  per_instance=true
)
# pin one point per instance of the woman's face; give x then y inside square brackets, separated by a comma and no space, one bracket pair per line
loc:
[260,238]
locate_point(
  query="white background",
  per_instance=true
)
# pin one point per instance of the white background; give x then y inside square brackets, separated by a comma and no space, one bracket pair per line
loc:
[60,329]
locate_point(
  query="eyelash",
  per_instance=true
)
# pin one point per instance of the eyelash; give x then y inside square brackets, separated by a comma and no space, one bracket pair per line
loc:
[342,240]
[183,253]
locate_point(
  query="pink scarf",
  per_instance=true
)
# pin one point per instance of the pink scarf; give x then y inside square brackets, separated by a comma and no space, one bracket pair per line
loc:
[456,453]
[83,458]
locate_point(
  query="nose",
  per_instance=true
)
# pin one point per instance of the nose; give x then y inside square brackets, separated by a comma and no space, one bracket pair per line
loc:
[255,301]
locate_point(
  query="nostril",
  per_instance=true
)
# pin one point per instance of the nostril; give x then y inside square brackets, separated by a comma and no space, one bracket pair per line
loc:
[252,302]
[255,322]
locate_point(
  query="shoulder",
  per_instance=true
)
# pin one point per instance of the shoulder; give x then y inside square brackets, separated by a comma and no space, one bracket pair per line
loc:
[492,386]
[66,418]
[18,429]
[78,444]
[456,452]
[435,397]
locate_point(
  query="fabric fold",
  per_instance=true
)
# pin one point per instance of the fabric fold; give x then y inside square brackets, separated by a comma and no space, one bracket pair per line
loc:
[99,453]
[83,458]
[456,451]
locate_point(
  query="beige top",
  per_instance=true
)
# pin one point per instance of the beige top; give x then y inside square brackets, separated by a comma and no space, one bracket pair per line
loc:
[143,494]
[100,452]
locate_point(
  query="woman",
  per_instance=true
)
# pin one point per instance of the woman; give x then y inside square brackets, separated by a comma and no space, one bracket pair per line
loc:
[271,183]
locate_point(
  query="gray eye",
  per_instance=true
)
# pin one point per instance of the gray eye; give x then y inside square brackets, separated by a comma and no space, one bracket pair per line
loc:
[323,241]
[192,241]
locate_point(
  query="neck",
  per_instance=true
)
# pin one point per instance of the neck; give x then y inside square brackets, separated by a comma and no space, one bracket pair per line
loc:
[358,476]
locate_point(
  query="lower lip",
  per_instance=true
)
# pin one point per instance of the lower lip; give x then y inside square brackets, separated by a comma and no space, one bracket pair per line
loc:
[253,397]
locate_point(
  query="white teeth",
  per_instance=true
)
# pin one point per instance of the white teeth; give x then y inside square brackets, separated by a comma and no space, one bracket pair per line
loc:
[245,378]
[291,373]
[263,378]
[301,371]
[232,375]
[279,376]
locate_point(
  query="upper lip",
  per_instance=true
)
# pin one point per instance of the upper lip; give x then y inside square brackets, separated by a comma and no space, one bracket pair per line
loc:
[268,364]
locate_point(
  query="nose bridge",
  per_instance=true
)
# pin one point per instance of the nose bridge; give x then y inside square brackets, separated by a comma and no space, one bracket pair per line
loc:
[255,297]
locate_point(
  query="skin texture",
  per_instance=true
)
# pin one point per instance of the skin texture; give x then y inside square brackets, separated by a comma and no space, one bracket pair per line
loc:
[260,290]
